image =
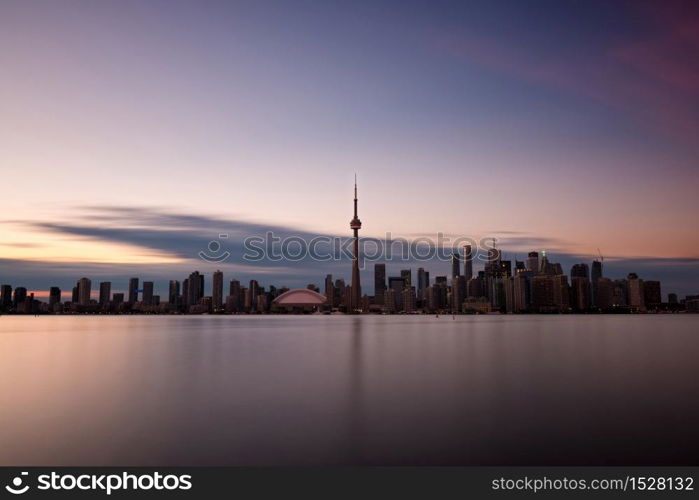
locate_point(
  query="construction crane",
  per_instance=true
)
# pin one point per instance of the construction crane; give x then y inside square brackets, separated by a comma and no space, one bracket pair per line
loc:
[601,258]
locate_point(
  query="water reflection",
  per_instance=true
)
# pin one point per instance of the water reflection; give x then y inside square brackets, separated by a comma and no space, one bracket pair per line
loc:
[348,390]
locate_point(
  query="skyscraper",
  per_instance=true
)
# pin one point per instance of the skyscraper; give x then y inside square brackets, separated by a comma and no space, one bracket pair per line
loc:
[54,296]
[5,297]
[379,283]
[455,265]
[84,289]
[147,293]
[468,262]
[133,290]
[217,291]
[533,262]
[329,290]
[174,292]
[194,288]
[105,293]
[407,275]
[355,225]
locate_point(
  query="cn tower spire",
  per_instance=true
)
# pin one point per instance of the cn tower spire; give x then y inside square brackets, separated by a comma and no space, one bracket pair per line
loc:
[355,225]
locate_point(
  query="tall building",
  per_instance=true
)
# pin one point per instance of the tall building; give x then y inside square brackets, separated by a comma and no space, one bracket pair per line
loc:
[423,281]
[579,271]
[355,225]
[195,286]
[5,297]
[173,295]
[596,272]
[533,262]
[105,293]
[147,299]
[635,292]
[54,296]
[84,290]
[329,291]
[217,291]
[397,284]
[379,283]
[407,275]
[468,262]
[651,294]
[455,265]
[133,290]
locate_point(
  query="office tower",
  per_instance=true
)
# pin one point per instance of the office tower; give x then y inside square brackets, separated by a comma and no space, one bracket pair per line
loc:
[5,297]
[340,292]
[423,281]
[54,296]
[542,290]
[520,292]
[458,293]
[519,267]
[579,271]
[173,295]
[235,291]
[355,225]
[133,291]
[561,292]
[147,298]
[620,293]
[217,291]
[389,300]
[105,293]
[397,284]
[604,293]
[84,289]
[635,292]
[20,296]
[329,290]
[533,262]
[195,285]
[651,294]
[455,265]
[596,272]
[468,262]
[379,283]
[408,299]
[75,297]
[474,288]
[117,299]
[580,289]
[672,298]
[407,275]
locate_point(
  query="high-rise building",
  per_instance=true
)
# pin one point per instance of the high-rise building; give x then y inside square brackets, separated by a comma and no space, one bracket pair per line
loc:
[54,296]
[407,275]
[147,298]
[651,294]
[397,284]
[173,295]
[596,272]
[468,262]
[133,291]
[423,281]
[355,225]
[329,290]
[635,292]
[195,286]
[455,265]
[5,297]
[533,262]
[579,271]
[217,291]
[84,289]
[105,293]
[379,283]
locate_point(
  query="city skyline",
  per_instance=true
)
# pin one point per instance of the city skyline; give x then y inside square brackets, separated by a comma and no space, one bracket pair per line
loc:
[568,129]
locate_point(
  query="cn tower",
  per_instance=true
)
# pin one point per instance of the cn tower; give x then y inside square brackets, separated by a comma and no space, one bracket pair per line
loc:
[356,225]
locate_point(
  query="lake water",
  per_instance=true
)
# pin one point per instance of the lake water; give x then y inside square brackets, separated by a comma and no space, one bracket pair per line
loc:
[338,390]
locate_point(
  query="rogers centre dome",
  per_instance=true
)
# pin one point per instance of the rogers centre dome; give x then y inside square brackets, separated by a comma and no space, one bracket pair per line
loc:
[300,297]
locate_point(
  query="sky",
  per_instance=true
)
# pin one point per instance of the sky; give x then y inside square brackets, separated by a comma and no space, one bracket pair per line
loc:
[135,132]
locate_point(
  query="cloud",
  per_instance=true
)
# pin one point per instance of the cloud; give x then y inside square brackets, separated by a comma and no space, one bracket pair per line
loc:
[652,77]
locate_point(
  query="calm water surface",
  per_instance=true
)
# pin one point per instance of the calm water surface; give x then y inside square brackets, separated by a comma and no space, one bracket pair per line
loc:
[336,390]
